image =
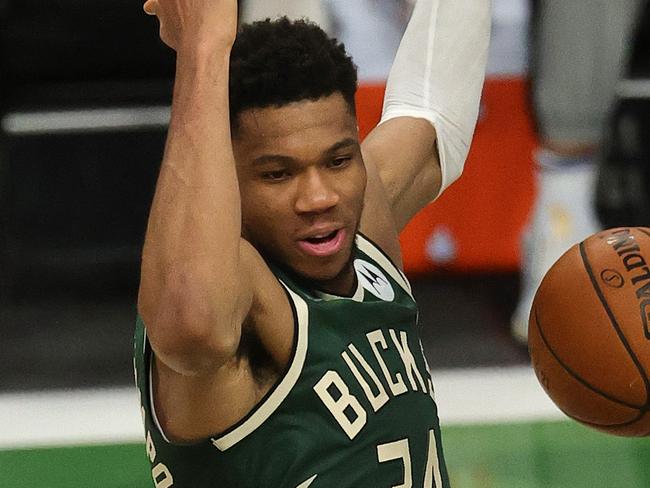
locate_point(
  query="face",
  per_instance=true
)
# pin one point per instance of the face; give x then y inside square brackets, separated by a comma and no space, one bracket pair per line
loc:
[302,182]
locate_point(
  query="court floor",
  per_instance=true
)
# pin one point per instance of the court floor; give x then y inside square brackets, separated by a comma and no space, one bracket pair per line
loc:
[499,431]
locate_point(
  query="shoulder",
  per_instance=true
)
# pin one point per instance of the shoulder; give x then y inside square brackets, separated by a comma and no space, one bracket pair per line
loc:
[377,222]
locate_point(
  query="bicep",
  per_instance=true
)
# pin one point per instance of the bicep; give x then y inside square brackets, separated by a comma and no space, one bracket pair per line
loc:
[404,152]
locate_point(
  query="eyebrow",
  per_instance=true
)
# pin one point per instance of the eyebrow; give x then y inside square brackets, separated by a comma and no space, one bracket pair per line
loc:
[281,158]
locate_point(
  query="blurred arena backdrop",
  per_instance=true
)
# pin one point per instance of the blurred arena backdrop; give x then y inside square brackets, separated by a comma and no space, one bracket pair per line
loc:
[84,102]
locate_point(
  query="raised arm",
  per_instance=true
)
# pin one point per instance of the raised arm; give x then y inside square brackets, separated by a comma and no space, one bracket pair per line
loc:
[431,103]
[192,298]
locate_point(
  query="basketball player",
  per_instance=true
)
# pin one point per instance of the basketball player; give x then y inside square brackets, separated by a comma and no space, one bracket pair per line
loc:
[277,344]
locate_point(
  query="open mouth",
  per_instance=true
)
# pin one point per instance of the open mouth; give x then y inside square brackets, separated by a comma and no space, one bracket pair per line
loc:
[324,239]
[324,245]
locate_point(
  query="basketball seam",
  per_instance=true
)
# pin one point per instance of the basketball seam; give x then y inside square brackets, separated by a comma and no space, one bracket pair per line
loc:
[642,414]
[643,231]
[578,378]
[614,323]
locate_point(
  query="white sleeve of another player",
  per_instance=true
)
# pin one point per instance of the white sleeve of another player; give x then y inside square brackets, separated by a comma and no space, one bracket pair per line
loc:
[438,75]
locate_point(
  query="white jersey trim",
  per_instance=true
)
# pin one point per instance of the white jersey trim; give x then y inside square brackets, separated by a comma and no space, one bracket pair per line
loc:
[152,406]
[380,258]
[357,297]
[307,483]
[264,410]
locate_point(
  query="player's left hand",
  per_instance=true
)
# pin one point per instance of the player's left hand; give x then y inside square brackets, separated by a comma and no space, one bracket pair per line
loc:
[187,24]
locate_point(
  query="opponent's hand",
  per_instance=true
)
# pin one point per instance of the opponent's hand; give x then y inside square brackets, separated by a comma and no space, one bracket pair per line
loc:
[191,23]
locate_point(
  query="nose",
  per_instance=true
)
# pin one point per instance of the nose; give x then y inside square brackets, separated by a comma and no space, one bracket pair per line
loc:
[315,194]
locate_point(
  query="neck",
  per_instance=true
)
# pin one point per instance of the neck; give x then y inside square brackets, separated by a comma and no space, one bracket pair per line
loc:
[343,285]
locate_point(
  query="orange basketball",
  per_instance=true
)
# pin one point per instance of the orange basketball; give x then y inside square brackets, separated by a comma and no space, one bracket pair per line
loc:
[589,332]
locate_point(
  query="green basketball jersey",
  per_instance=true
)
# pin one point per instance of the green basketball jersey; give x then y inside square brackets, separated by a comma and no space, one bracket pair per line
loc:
[354,409]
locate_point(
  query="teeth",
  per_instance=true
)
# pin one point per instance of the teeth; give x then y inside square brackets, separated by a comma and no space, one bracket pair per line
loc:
[321,236]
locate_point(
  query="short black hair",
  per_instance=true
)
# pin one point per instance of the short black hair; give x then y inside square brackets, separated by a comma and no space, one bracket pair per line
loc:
[276,62]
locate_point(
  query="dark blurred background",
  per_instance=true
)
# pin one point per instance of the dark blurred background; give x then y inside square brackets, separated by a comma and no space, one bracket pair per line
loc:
[85,91]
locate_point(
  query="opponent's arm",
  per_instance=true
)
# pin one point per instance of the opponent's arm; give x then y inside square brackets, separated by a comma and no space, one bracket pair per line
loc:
[192,297]
[431,103]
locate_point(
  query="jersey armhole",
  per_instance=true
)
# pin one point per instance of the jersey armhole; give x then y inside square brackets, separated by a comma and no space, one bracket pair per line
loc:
[274,398]
[271,400]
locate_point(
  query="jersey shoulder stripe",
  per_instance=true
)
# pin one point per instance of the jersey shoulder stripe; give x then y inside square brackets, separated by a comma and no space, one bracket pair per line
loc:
[369,248]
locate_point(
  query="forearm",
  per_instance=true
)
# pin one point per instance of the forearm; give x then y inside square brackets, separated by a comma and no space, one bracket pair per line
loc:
[438,75]
[191,251]
[196,207]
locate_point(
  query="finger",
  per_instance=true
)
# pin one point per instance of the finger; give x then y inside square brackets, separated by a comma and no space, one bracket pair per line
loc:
[150,7]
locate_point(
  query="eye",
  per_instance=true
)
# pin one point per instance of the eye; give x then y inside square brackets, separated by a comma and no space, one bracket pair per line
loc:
[340,162]
[277,175]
